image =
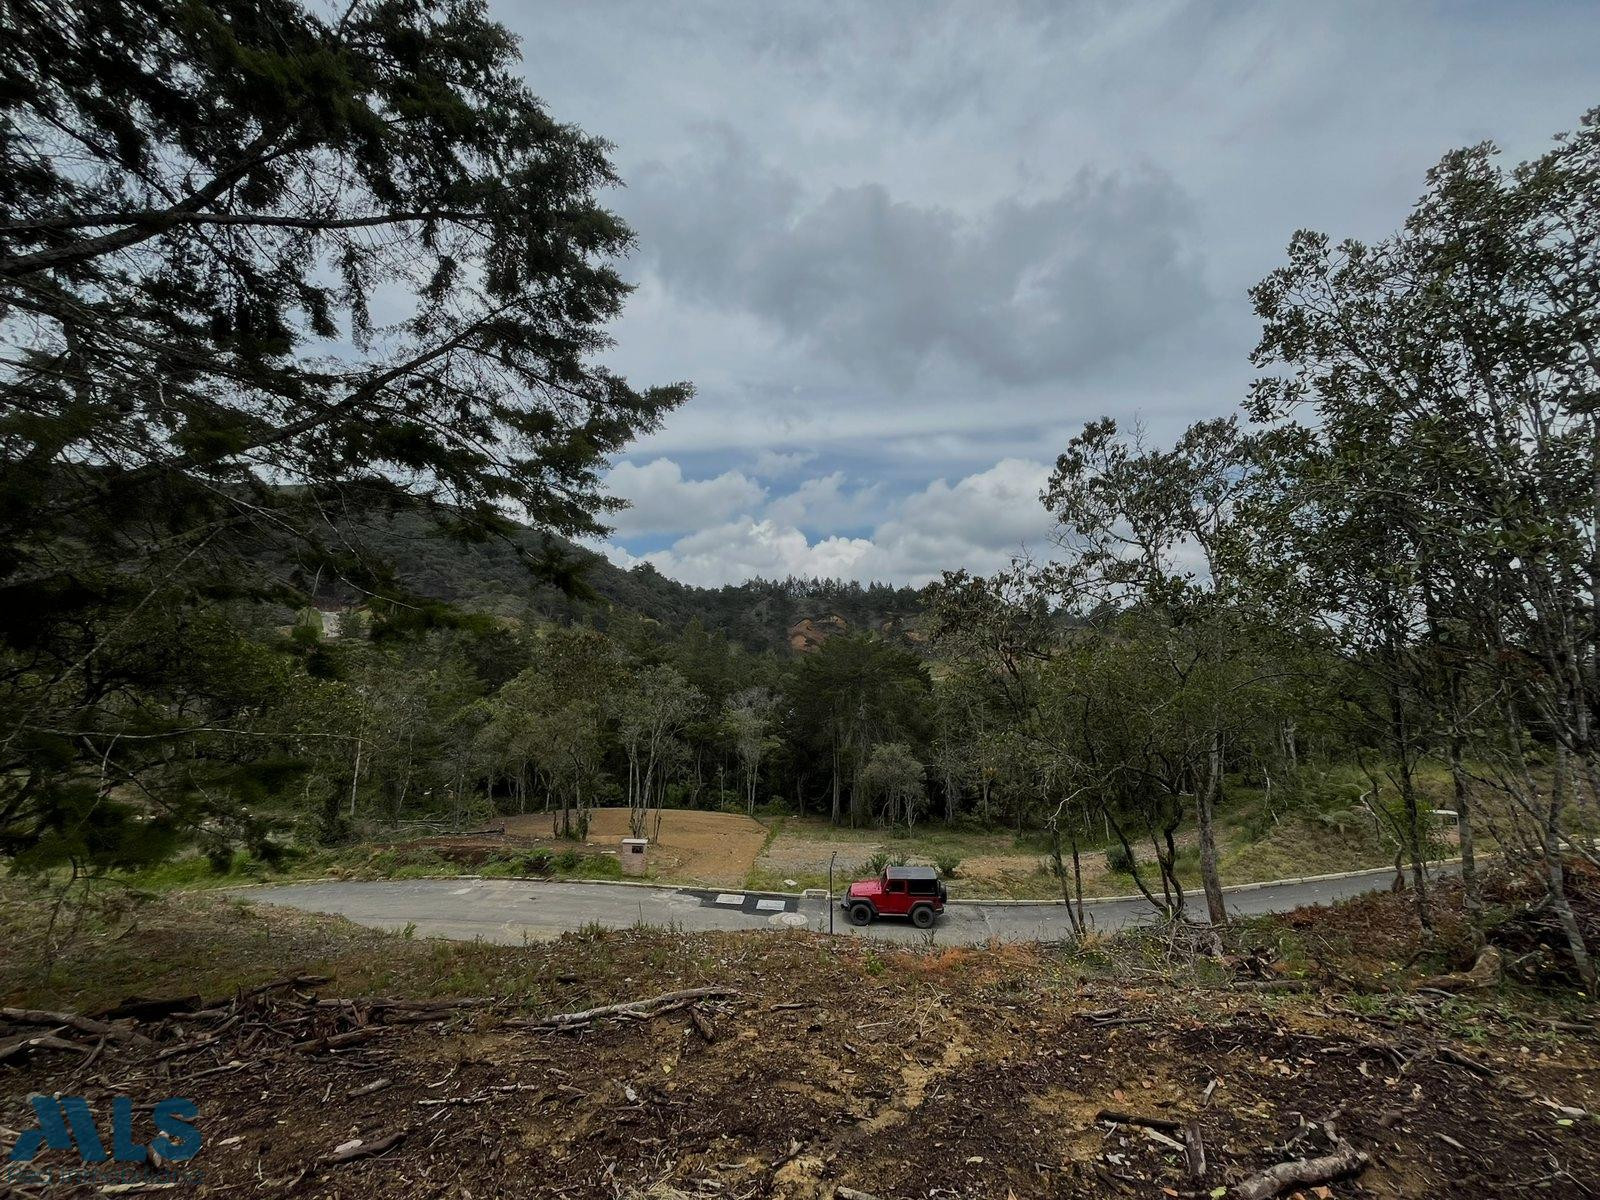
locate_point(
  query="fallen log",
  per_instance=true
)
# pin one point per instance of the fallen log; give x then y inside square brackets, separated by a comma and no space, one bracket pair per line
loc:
[215,1013]
[189,1047]
[1165,1124]
[702,1025]
[36,1016]
[384,1003]
[655,1006]
[1485,973]
[337,1041]
[1346,1160]
[18,1047]
[286,983]
[352,1150]
[1466,1063]
[1194,1151]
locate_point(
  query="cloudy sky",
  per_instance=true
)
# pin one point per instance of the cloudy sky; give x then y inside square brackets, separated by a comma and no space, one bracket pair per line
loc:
[904,250]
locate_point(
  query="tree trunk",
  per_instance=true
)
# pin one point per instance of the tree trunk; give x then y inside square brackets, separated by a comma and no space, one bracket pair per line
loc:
[835,817]
[1400,730]
[1169,868]
[1555,876]
[1077,878]
[355,777]
[1206,798]
[1059,867]
[1416,837]
[1469,863]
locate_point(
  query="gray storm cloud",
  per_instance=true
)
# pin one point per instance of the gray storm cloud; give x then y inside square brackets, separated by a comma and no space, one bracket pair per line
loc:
[1016,292]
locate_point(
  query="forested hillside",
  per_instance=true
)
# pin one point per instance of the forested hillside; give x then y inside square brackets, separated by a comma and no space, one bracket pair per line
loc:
[493,576]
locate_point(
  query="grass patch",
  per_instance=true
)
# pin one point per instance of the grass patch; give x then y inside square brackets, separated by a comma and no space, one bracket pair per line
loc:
[197,873]
[764,879]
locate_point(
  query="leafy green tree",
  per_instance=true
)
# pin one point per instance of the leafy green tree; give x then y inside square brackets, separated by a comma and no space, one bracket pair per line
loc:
[1158,530]
[651,706]
[90,774]
[1447,483]
[894,775]
[853,693]
[272,265]
[748,717]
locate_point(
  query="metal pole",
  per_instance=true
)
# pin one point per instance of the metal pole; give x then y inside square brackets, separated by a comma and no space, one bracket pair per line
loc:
[831,857]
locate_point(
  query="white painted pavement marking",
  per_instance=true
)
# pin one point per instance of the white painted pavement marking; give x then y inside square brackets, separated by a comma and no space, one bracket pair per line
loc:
[769,905]
[730,898]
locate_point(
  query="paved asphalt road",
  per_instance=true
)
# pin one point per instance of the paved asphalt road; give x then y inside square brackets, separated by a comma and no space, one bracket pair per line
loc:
[514,911]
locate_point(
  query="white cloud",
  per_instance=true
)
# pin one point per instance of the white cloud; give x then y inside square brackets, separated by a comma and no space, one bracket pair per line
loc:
[894,289]
[747,548]
[663,501]
[979,522]
[780,464]
[826,502]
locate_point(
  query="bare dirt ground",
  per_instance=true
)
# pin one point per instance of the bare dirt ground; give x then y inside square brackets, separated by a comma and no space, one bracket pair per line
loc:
[997,865]
[716,849]
[694,848]
[822,1066]
[991,865]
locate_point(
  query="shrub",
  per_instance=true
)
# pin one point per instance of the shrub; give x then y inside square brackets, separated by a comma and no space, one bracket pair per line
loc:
[876,863]
[567,860]
[1119,859]
[536,861]
[947,864]
[220,859]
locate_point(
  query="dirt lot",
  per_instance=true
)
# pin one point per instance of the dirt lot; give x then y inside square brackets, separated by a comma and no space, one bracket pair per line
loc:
[992,864]
[999,865]
[827,1065]
[716,849]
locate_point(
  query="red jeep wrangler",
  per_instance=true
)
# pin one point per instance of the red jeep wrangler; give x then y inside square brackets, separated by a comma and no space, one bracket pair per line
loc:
[900,891]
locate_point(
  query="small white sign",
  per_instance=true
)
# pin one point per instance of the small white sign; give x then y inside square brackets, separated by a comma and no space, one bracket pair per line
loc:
[730,898]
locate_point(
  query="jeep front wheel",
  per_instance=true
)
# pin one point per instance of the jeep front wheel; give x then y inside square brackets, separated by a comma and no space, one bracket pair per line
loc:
[861,914]
[922,916]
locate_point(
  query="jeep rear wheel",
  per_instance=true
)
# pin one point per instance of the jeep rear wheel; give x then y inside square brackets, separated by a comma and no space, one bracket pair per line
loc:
[922,916]
[860,914]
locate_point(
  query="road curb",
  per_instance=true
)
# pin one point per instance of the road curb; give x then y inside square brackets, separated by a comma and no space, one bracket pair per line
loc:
[654,887]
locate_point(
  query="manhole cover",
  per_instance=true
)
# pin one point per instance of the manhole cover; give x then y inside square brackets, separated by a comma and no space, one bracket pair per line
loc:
[792,919]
